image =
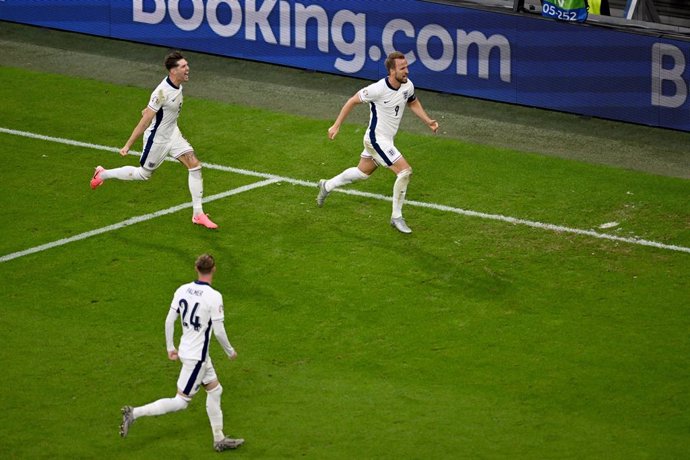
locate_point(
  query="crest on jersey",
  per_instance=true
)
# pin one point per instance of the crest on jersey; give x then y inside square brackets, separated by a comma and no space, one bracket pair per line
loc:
[365,93]
[405,94]
[158,98]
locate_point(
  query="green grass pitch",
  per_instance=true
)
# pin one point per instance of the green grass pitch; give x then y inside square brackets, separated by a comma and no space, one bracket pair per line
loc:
[470,338]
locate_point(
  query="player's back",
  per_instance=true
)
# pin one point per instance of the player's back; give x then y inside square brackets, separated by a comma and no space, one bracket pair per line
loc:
[198,305]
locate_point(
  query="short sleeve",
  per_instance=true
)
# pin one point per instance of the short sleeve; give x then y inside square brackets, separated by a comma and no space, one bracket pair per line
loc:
[370,93]
[412,96]
[156,101]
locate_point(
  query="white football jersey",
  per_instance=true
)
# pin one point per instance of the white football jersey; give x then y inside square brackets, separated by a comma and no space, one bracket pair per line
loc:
[387,106]
[166,101]
[198,305]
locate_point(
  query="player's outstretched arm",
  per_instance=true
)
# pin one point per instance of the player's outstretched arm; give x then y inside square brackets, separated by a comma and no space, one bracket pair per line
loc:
[146,117]
[344,112]
[418,110]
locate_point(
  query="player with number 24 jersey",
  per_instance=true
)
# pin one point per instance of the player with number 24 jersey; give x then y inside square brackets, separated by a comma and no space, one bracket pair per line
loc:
[198,306]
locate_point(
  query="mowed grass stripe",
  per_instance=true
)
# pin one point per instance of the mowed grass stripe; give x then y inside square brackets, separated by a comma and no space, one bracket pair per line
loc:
[272,178]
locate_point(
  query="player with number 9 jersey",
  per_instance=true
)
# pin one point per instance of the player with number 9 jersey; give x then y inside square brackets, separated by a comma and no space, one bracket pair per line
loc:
[386,108]
[387,99]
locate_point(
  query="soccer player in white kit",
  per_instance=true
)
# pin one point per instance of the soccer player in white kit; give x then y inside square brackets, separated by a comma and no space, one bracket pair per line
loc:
[387,99]
[200,308]
[162,137]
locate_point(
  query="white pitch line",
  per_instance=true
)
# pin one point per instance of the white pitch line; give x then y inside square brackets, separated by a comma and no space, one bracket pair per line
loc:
[438,207]
[58,140]
[132,221]
[62,140]
[528,223]
[552,227]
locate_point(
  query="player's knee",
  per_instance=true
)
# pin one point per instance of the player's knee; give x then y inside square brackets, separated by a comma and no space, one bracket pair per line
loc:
[404,176]
[217,390]
[180,402]
[405,173]
[190,160]
[144,173]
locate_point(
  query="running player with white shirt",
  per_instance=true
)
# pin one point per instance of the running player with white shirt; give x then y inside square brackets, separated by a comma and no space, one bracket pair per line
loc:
[201,310]
[387,99]
[162,137]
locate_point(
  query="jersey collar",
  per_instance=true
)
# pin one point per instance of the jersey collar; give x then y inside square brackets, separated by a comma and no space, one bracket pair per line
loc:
[389,85]
[201,282]
[171,83]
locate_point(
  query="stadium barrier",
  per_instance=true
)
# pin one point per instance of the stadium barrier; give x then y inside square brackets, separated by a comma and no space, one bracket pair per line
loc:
[521,59]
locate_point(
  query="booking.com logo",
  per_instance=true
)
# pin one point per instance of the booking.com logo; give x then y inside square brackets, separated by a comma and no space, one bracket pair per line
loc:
[346,30]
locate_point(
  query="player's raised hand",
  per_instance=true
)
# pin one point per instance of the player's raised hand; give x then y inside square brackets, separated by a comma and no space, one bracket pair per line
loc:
[333,131]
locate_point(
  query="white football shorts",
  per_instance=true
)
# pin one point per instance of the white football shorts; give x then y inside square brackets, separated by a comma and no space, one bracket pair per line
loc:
[154,153]
[194,374]
[384,153]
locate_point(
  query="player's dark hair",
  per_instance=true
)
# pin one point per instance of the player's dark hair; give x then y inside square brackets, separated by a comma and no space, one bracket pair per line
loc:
[205,263]
[390,60]
[172,59]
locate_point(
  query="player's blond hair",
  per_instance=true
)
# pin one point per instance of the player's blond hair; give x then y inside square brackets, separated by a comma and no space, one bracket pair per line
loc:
[205,264]
[390,60]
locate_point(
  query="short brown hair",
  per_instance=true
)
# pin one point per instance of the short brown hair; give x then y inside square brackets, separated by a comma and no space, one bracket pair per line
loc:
[205,264]
[172,59]
[390,60]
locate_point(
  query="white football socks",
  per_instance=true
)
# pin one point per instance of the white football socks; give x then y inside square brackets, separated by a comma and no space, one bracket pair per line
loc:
[126,173]
[215,414]
[160,407]
[348,176]
[196,189]
[399,191]
[195,181]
